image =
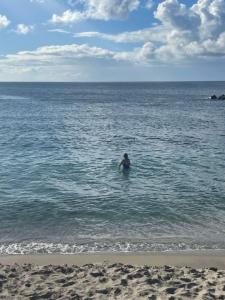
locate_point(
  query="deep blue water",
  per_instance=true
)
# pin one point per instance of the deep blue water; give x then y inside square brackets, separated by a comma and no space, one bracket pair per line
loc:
[60,187]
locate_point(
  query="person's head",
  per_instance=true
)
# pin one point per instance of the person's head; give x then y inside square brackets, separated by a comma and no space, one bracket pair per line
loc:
[125,156]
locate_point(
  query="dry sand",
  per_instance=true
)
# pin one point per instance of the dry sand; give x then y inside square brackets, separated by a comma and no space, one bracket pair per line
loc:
[146,276]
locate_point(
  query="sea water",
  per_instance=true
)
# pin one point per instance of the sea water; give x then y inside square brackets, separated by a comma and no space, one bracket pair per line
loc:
[61,190]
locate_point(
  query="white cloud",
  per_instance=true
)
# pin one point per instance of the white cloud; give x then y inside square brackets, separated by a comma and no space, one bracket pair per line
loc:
[149,4]
[57,54]
[183,33]
[68,16]
[56,62]
[59,30]
[191,29]
[4,22]
[99,10]
[68,55]
[24,29]
[38,1]
[84,62]
[154,34]
[177,15]
[142,55]
[110,9]
[211,14]
[205,19]
[200,36]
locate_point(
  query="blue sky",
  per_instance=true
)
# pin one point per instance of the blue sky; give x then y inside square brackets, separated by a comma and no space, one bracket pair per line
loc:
[112,40]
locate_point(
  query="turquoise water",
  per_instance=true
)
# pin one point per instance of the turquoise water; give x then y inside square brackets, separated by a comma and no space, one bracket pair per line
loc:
[60,187]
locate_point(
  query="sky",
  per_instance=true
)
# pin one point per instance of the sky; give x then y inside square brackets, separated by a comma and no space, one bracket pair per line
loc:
[112,40]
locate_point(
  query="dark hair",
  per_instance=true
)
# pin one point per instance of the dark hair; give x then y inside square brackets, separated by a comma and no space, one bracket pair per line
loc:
[125,155]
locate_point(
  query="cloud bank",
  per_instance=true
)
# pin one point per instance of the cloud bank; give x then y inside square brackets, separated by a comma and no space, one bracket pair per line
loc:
[183,32]
[99,10]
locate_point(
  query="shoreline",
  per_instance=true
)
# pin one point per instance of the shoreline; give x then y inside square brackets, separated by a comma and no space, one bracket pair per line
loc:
[195,259]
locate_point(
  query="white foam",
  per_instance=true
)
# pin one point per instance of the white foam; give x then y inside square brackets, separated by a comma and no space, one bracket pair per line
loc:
[12,97]
[97,247]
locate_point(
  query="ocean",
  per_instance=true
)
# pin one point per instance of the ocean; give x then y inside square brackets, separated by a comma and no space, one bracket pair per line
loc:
[61,190]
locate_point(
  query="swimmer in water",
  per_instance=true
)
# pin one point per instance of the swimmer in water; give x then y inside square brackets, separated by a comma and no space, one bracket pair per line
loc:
[125,162]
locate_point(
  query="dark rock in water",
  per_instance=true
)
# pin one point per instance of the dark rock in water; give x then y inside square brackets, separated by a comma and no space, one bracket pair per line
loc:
[222,97]
[214,97]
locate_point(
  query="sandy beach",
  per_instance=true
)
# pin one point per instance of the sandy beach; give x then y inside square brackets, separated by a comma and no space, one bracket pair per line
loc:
[113,276]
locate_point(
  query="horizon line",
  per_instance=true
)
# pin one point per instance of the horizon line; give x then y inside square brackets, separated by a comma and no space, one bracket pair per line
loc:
[121,81]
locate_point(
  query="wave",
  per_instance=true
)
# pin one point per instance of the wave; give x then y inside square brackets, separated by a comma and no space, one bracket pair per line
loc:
[12,97]
[31,248]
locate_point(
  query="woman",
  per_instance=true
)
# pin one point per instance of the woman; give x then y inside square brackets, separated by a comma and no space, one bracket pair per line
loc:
[125,162]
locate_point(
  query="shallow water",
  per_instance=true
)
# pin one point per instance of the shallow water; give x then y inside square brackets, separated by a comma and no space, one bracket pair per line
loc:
[60,187]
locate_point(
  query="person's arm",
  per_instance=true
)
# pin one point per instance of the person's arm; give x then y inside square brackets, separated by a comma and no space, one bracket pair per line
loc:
[121,164]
